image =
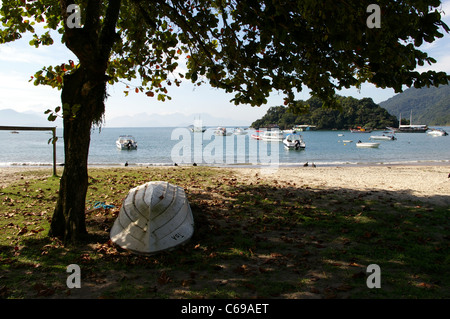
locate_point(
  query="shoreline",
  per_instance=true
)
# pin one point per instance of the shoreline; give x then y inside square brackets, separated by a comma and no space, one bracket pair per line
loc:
[25,166]
[423,182]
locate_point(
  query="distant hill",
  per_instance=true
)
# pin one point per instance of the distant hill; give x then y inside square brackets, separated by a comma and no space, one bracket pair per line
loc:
[9,117]
[170,120]
[430,106]
[354,113]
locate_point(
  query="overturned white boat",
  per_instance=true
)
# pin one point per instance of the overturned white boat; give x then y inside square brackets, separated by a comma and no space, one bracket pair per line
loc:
[155,216]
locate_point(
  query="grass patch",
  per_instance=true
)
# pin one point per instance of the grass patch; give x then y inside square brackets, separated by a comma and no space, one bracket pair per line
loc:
[253,239]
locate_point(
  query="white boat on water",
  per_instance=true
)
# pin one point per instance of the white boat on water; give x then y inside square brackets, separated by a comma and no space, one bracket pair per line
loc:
[221,131]
[256,135]
[416,128]
[196,129]
[126,142]
[294,141]
[383,137]
[437,132]
[239,131]
[360,130]
[273,136]
[367,144]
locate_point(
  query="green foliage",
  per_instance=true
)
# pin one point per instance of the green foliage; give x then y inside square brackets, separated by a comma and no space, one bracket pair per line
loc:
[247,47]
[351,113]
[429,106]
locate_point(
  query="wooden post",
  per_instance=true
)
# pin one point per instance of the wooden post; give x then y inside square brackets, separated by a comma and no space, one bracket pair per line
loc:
[54,151]
[31,128]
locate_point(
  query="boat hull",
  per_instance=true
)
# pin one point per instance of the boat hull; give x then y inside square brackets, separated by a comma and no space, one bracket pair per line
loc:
[408,129]
[154,217]
[272,136]
[293,146]
[383,138]
[361,130]
[256,137]
[126,147]
[272,139]
[437,133]
[368,145]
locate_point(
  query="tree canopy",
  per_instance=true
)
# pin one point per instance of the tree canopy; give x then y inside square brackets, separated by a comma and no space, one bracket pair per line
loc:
[248,47]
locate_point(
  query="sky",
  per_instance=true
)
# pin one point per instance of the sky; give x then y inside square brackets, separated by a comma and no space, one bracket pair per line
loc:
[19,61]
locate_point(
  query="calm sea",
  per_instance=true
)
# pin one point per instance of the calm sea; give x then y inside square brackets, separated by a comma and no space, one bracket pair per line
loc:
[165,146]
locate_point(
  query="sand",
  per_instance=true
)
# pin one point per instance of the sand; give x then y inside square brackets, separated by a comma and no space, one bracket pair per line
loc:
[425,183]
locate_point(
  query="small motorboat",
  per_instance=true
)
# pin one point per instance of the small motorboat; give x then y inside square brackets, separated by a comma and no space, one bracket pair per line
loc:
[196,129]
[360,130]
[437,132]
[367,144]
[239,131]
[383,137]
[273,135]
[221,131]
[294,141]
[256,135]
[126,142]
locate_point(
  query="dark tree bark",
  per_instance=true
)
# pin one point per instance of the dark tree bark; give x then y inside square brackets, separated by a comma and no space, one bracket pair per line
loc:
[82,100]
[82,97]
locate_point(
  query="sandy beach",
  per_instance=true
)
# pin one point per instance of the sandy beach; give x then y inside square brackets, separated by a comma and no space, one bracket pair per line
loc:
[429,184]
[425,183]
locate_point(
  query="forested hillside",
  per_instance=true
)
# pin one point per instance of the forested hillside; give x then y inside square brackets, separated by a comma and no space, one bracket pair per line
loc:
[430,106]
[353,113]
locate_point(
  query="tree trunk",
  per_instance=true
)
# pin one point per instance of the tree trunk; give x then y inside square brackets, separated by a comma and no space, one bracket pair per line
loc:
[82,98]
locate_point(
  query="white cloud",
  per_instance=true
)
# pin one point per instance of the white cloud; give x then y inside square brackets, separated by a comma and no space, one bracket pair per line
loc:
[442,65]
[9,53]
[446,10]
[18,94]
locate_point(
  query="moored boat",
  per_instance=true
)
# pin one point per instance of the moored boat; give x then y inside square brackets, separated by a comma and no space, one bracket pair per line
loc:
[221,131]
[275,135]
[383,137]
[294,141]
[360,130]
[239,131]
[196,129]
[416,128]
[126,142]
[437,132]
[256,135]
[367,144]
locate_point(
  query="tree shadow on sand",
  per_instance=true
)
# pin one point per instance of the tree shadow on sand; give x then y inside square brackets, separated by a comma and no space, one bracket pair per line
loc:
[256,241]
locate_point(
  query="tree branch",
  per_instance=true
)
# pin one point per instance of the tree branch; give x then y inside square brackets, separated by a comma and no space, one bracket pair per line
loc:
[108,34]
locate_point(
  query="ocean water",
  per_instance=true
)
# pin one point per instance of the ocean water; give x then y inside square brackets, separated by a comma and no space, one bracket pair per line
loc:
[168,145]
